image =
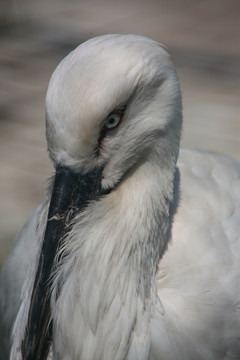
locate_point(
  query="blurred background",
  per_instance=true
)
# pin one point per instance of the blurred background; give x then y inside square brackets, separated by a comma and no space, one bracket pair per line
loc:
[203,37]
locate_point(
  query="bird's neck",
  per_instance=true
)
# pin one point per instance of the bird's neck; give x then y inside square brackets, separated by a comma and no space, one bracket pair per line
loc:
[107,279]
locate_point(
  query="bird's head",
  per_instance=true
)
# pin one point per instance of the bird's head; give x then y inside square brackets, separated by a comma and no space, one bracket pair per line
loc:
[111,101]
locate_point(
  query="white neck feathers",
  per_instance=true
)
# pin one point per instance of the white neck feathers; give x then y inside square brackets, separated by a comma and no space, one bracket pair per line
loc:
[107,277]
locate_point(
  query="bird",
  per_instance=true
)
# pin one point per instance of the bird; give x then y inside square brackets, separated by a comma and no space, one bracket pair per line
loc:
[134,253]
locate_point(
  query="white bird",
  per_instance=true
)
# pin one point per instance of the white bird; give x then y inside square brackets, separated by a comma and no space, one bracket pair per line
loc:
[135,257]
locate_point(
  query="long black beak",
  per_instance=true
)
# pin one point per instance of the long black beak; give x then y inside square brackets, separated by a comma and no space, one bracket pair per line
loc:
[71,193]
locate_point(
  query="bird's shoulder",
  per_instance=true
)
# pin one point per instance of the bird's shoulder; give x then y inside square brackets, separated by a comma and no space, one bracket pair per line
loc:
[13,274]
[198,273]
[205,230]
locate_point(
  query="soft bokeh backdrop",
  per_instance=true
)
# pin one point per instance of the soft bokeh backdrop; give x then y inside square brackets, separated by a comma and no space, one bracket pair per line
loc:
[203,37]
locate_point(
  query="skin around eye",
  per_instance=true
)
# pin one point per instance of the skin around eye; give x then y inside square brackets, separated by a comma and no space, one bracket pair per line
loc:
[112,121]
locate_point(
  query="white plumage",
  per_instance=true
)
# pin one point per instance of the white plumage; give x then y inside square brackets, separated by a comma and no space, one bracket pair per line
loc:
[151,269]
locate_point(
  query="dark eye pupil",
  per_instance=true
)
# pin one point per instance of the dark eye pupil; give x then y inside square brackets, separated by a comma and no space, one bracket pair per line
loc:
[111,120]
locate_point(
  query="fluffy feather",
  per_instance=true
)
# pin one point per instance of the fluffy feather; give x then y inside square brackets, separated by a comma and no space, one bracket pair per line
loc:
[149,271]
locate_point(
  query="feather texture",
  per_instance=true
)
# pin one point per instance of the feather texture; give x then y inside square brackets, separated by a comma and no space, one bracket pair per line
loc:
[149,271]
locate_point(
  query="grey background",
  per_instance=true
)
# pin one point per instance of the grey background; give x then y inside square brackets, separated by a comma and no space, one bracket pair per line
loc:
[202,35]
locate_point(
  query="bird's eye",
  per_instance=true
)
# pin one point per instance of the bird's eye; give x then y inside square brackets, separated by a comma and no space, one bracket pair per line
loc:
[113,120]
